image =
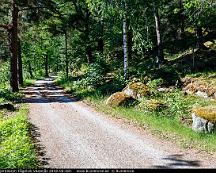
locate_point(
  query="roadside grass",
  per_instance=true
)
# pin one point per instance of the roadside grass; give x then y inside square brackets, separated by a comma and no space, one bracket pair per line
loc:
[172,123]
[16,148]
[29,82]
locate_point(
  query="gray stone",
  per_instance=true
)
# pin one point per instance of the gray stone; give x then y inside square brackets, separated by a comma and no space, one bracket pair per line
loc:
[136,90]
[201,125]
[202,94]
[165,89]
[214,96]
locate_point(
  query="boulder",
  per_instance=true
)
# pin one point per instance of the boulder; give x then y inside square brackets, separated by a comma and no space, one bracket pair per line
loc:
[207,112]
[204,119]
[201,125]
[201,94]
[117,99]
[136,90]
[8,106]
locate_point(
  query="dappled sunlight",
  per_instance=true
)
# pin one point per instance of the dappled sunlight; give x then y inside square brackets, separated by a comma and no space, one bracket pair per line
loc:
[44,91]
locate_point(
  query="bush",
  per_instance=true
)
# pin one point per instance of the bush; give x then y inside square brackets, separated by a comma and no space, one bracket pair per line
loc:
[95,72]
[7,95]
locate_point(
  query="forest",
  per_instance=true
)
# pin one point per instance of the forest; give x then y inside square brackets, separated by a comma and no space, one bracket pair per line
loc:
[98,49]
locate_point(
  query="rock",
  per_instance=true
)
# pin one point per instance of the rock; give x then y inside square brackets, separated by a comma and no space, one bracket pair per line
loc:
[136,90]
[201,94]
[117,99]
[165,89]
[201,125]
[207,113]
[8,106]
[214,96]
[204,119]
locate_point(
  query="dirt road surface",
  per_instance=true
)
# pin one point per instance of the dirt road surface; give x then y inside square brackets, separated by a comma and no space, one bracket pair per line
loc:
[71,134]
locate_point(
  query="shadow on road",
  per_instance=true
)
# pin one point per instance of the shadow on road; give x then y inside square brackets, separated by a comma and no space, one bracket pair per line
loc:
[40,149]
[44,91]
[177,160]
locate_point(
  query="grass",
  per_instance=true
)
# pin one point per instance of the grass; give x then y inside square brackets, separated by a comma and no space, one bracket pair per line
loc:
[16,148]
[29,82]
[172,123]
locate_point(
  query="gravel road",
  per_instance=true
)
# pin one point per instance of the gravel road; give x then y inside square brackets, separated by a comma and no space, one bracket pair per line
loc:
[71,134]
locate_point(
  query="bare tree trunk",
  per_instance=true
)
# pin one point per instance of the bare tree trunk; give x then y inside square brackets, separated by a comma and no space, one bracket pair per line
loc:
[13,39]
[46,65]
[158,33]
[30,69]
[20,63]
[199,35]
[181,21]
[100,40]
[87,33]
[66,55]
[125,48]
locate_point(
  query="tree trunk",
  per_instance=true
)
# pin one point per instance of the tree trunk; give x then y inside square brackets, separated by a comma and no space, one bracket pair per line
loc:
[13,39]
[100,40]
[181,21]
[199,36]
[66,55]
[46,65]
[30,69]
[160,53]
[20,63]
[127,40]
[87,33]
[125,48]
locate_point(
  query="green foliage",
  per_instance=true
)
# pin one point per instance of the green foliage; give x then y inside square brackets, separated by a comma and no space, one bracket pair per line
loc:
[7,95]
[4,73]
[154,84]
[17,150]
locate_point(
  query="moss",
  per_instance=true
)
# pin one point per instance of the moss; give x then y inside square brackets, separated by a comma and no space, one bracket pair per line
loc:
[152,104]
[116,99]
[208,112]
[136,90]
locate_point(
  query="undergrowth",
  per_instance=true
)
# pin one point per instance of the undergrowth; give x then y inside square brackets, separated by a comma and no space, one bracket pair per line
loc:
[16,148]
